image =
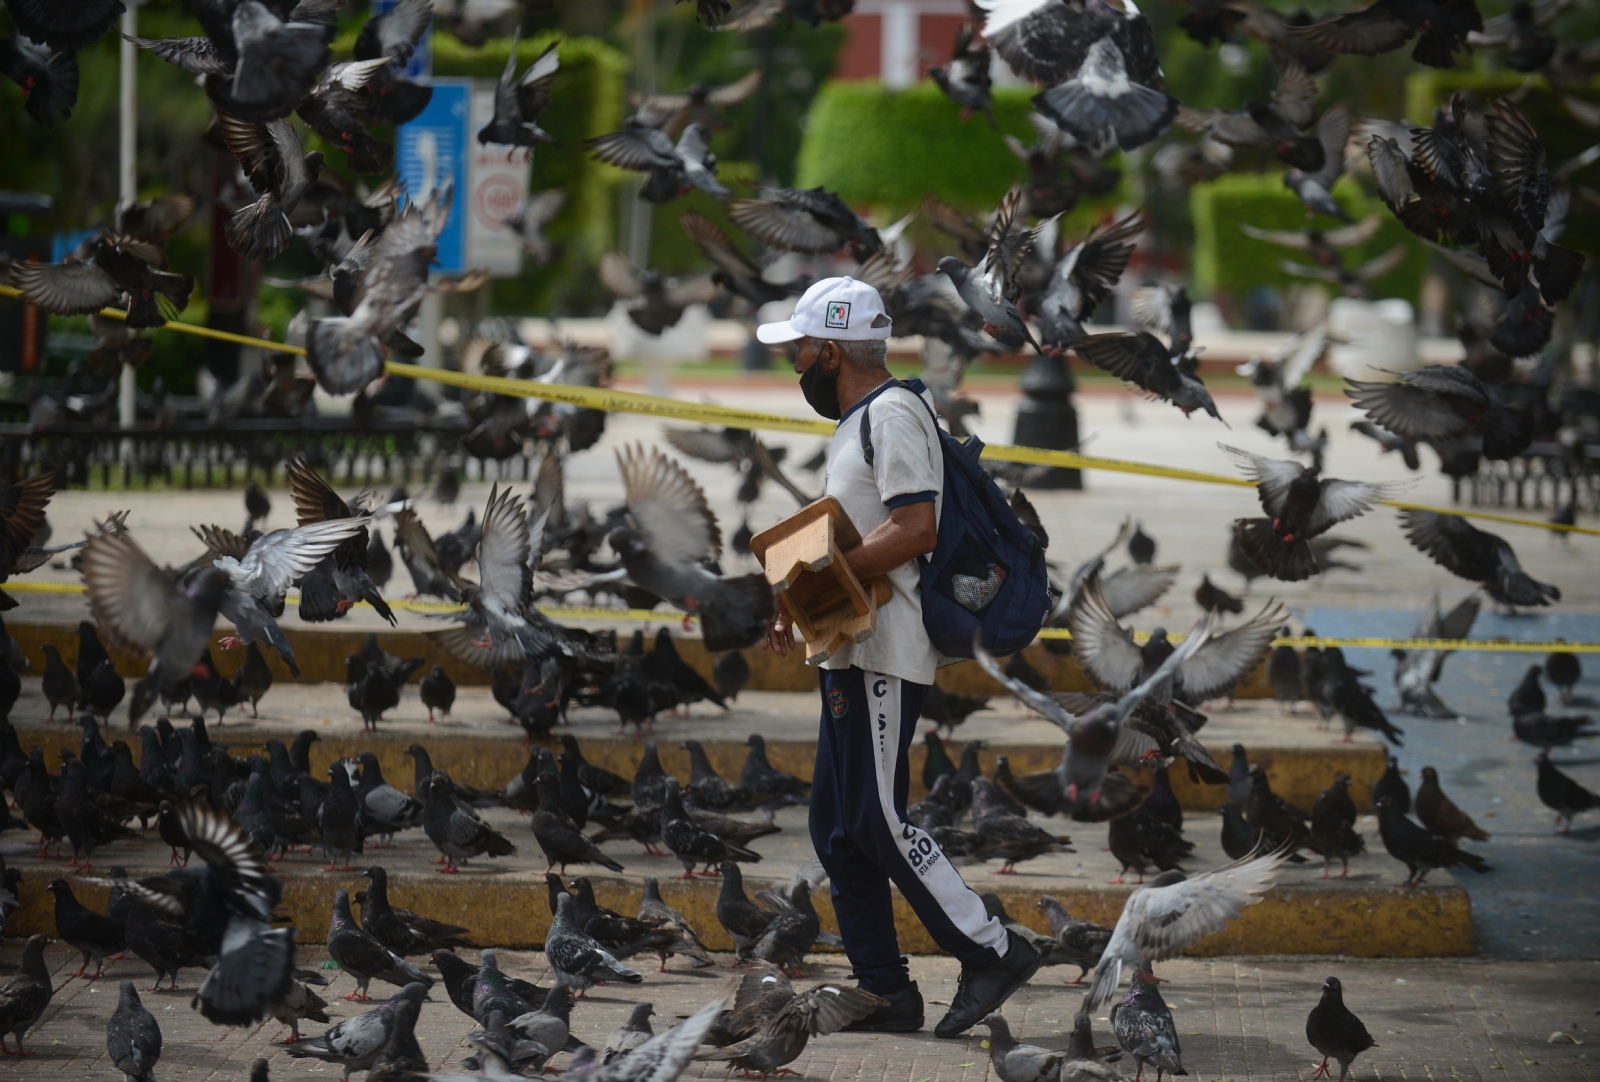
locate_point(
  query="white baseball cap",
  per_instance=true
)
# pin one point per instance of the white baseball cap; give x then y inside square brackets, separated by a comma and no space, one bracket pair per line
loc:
[842,309]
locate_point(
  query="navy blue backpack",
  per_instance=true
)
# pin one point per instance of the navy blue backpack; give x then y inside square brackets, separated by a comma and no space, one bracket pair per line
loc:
[987,571]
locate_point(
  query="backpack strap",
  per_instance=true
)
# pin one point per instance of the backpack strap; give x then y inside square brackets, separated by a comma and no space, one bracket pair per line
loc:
[916,387]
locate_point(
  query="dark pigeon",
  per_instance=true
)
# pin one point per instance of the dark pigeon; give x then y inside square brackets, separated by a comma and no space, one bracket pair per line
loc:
[133,1040]
[1418,848]
[1335,1031]
[95,935]
[363,957]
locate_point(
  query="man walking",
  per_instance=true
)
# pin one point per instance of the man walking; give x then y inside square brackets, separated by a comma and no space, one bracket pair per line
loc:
[872,692]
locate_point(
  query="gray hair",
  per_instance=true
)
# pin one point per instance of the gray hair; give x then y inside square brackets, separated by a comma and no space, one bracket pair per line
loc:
[870,353]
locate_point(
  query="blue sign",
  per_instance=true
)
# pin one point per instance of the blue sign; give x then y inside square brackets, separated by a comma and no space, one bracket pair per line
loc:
[420,65]
[432,152]
[64,243]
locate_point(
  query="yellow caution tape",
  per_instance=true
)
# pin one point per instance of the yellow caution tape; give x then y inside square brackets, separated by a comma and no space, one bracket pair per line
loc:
[612,401]
[653,616]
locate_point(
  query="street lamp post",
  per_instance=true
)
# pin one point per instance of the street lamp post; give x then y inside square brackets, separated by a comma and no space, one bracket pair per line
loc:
[128,173]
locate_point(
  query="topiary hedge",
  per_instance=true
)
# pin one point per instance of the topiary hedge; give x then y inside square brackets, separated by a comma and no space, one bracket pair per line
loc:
[1228,261]
[887,148]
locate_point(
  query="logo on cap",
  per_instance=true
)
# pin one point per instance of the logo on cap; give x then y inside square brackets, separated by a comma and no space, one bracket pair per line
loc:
[837,316]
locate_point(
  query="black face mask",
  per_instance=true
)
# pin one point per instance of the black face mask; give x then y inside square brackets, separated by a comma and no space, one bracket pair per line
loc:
[821,390]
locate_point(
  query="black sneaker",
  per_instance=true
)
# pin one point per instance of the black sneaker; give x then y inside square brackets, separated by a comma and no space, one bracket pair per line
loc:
[902,1014]
[981,993]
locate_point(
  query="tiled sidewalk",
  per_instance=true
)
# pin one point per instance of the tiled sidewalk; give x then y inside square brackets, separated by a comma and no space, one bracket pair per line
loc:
[1238,1019]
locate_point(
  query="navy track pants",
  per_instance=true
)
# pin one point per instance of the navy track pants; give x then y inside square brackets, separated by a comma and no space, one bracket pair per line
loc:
[859,829]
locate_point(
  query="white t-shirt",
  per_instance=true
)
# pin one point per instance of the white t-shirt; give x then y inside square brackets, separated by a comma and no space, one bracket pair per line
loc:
[908,466]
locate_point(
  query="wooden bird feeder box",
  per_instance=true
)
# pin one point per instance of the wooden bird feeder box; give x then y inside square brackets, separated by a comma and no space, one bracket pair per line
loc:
[803,557]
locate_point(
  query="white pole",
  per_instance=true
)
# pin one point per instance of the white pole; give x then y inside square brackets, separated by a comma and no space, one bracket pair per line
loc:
[128,174]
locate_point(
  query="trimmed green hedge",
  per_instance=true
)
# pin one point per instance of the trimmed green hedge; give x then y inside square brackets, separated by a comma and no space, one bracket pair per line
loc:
[1228,261]
[887,148]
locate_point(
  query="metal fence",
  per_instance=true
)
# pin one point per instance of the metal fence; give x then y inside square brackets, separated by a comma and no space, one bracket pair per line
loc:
[1549,475]
[189,456]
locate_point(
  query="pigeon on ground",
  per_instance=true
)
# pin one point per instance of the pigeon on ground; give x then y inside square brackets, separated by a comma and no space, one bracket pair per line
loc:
[579,962]
[87,826]
[342,821]
[1143,1024]
[460,982]
[742,919]
[59,685]
[386,808]
[1528,696]
[767,785]
[23,999]
[402,931]
[1352,700]
[159,943]
[791,931]
[491,992]
[662,1058]
[655,911]
[1078,941]
[781,1037]
[1440,814]
[1332,832]
[630,1035]
[225,910]
[299,1004]
[94,935]
[456,829]
[1546,732]
[133,1040]
[691,843]
[558,836]
[1392,786]
[1172,911]
[1419,849]
[1335,1031]
[362,956]
[1562,795]
[1564,670]
[1014,1061]
[356,1044]
[438,692]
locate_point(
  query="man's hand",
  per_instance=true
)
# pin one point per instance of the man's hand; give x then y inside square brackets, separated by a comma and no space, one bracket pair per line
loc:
[780,636]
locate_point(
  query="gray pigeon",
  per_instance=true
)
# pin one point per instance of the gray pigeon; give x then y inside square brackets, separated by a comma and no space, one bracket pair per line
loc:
[579,962]
[492,992]
[455,828]
[133,1040]
[551,1024]
[653,910]
[362,956]
[24,997]
[1017,1062]
[991,288]
[660,1059]
[358,1042]
[820,1010]
[297,1004]
[501,1052]
[1144,1028]
[1078,941]
[625,1038]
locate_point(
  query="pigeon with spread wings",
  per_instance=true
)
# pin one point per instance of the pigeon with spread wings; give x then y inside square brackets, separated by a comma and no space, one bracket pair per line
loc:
[518,102]
[700,104]
[261,571]
[1110,657]
[1477,556]
[1300,504]
[672,170]
[1444,402]
[809,220]
[225,910]
[1164,372]
[1173,912]
[1084,277]
[664,299]
[991,289]
[148,610]
[279,168]
[1094,734]
[1416,671]
[672,533]
[343,572]
[1389,24]
[735,272]
[113,270]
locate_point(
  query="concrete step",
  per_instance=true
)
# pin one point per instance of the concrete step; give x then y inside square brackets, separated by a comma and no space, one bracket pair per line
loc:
[320,652]
[504,902]
[479,746]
